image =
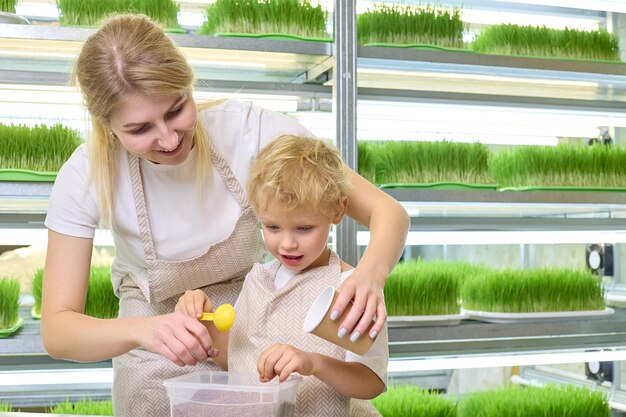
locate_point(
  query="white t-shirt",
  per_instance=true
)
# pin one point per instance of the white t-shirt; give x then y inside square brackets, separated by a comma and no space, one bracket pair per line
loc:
[376,358]
[182,225]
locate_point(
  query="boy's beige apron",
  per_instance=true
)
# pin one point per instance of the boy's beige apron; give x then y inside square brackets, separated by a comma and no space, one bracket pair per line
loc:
[138,375]
[266,316]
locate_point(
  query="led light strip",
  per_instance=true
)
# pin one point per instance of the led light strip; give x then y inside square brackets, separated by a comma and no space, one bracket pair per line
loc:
[419,238]
[525,359]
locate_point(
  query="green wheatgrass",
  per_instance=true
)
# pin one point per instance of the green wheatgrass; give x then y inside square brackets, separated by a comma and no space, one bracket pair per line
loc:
[533,291]
[419,288]
[508,39]
[85,407]
[407,162]
[562,165]
[413,401]
[9,302]
[290,17]
[549,401]
[8,6]
[39,148]
[37,289]
[101,301]
[90,12]
[5,407]
[411,25]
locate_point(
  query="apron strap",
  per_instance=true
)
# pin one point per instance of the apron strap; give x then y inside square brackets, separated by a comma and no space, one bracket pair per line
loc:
[229,178]
[140,205]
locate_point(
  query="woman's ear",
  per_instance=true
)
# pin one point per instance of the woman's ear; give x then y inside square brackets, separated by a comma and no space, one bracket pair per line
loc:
[342,211]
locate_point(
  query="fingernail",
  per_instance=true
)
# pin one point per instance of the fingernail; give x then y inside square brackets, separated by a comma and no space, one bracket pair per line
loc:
[209,352]
[334,315]
[342,333]
[373,334]
[355,336]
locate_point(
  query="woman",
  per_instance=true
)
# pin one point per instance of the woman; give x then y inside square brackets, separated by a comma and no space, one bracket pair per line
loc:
[166,176]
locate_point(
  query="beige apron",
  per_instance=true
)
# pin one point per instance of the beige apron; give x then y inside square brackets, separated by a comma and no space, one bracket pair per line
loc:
[266,316]
[138,375]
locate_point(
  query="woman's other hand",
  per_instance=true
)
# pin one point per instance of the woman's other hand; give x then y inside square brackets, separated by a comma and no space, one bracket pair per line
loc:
[388,223]
[366,296]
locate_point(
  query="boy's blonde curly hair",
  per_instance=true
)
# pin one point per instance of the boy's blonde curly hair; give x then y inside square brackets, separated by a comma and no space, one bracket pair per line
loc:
[295,171]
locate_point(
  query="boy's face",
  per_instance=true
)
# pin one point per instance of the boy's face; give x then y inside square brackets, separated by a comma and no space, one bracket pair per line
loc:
[297,237]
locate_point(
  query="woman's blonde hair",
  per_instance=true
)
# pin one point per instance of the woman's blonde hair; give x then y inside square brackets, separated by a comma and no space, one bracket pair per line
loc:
[128,55]
[295,171]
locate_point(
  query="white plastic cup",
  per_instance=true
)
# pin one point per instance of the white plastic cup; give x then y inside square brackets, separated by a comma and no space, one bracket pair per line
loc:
[318,322]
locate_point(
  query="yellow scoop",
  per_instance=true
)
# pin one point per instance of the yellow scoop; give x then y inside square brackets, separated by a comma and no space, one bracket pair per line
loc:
[223,318]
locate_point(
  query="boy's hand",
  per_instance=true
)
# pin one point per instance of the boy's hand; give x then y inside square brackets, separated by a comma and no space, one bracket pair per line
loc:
[282,360]
[193,303]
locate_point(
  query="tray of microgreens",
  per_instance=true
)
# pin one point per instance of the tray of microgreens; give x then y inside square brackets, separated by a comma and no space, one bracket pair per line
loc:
[426,293]
[10,321]
[560,168]
[267,19]
[35,153]
[535,41]
[534,294]
[82,407]
[430,165]
[407,26]
[89,13]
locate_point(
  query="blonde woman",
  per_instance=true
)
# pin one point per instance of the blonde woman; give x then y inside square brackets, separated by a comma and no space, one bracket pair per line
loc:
[166,176]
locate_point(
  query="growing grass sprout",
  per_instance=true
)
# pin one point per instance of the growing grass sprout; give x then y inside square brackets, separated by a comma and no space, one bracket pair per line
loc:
[39,148]
[411,25]
[533,290]
[509,39]
[419,288]
[384,162]
[9,302]
[85,407]
[8,6]
[413,401]
[562,165]
[101,300]
[90,12]
[37,289]
[548,401]
[289,17]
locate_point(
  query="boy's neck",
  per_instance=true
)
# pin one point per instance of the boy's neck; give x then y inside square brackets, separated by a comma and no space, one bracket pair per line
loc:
[322,260]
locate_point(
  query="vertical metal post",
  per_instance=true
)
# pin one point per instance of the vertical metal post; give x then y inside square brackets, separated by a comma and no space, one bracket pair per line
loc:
[344,100]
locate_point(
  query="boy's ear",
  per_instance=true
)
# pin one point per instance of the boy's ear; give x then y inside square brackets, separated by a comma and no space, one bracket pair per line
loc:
[342,211]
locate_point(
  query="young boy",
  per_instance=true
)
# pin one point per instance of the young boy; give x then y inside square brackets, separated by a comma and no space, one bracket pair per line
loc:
[298,189]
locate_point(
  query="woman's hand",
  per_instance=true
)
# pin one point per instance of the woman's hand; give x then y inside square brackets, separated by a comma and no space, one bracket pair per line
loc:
[282,360]
[366,296]
[388,223]
[181,338]
[193,303]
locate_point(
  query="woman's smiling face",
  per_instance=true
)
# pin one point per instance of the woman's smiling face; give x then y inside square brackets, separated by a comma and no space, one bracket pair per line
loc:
[158,129]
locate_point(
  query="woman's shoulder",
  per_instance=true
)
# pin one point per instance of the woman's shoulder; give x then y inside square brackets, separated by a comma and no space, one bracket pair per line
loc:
[78,162]
[249,114]
[231,123]
[223,107]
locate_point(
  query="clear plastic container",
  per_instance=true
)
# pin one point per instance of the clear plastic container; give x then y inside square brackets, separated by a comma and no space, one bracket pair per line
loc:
[226,394]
